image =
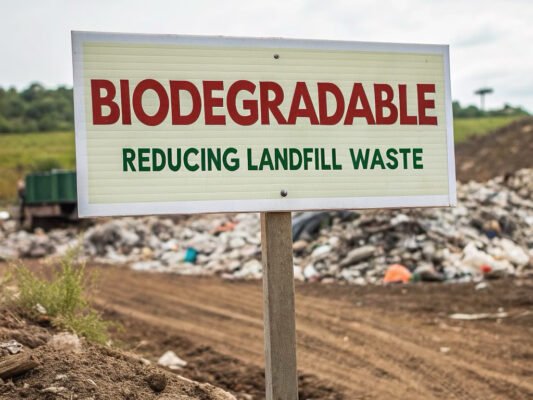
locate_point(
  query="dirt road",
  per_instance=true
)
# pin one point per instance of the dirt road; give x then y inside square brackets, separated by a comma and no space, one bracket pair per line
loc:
[366,343]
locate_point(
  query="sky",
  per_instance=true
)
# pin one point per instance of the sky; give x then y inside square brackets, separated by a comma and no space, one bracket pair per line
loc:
[491,41]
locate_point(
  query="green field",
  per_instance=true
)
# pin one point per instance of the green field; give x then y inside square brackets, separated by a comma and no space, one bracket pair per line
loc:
[21,153]
[467,127]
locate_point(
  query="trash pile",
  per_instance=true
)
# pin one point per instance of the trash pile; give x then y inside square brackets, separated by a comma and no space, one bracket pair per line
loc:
[488,235]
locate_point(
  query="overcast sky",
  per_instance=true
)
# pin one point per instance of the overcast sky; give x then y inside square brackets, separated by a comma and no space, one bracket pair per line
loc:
[491,41]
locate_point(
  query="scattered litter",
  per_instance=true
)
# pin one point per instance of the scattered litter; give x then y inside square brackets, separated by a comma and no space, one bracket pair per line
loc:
[426,272]
[40,309]
[358,254]
[12,347]
[53,389]
[472,317]
[486,269]
[225,227]
[190,255]
[397,273]
[171,360]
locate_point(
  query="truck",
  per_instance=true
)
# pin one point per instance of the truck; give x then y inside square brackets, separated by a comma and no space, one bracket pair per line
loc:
[48,198]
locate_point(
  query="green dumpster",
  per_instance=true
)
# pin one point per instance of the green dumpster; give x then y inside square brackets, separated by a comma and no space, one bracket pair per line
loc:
[56,186]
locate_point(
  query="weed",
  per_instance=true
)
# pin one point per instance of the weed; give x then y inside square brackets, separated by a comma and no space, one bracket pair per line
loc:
[61,297]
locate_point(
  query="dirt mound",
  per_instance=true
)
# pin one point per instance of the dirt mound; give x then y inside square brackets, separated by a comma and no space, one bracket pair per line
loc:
[52,371]
[501,152]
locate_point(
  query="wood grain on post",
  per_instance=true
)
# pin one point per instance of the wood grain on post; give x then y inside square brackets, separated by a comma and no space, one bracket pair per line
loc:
[278,294]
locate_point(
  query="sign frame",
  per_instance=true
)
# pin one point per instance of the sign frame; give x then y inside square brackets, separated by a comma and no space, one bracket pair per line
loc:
[85,209]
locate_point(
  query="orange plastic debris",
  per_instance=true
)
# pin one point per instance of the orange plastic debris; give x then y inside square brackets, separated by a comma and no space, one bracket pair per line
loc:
[397,273]
[225,227]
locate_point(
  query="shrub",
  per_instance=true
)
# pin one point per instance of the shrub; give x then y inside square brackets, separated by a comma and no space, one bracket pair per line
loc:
[62,295]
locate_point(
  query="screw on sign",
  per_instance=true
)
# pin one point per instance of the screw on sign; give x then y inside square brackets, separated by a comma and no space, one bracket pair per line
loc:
[236,124]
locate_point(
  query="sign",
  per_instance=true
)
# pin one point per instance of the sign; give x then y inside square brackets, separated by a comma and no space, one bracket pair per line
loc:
[186,124]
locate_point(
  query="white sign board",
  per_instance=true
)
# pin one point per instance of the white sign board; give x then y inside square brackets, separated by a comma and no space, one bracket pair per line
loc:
[186,124]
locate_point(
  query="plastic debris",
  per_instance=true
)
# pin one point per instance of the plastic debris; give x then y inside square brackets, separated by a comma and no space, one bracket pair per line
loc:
[11,346]
[190,255]
[397,273]
[487,236]
[171,360]
[472,317]
[40,309]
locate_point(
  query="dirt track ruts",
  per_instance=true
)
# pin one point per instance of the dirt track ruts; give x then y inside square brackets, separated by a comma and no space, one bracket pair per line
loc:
[373,342]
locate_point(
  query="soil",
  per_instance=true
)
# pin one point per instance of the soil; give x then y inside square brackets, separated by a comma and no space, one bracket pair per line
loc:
[501,152]
[370,342]
[96,372]
[204,364]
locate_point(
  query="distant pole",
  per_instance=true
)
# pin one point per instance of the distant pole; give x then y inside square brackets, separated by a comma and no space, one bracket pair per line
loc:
[481,93]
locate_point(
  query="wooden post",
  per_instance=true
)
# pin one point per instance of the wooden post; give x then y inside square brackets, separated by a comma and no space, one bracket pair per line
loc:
[278,294]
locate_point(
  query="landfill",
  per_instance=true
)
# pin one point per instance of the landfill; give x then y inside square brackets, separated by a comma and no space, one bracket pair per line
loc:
[489,234]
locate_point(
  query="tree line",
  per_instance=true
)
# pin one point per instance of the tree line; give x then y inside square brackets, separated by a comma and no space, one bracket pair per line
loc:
[472,111]
[38,109]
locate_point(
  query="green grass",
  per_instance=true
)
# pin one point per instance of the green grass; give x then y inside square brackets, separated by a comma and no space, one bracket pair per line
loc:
[62,295]
[21,153]
[467,127]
